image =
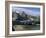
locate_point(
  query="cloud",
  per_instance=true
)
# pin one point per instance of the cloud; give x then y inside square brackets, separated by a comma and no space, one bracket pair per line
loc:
[27,11]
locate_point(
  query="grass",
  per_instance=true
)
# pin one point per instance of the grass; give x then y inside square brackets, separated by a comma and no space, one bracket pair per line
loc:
[26,27]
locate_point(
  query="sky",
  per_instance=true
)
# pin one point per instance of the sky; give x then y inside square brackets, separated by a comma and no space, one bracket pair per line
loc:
[27,10]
